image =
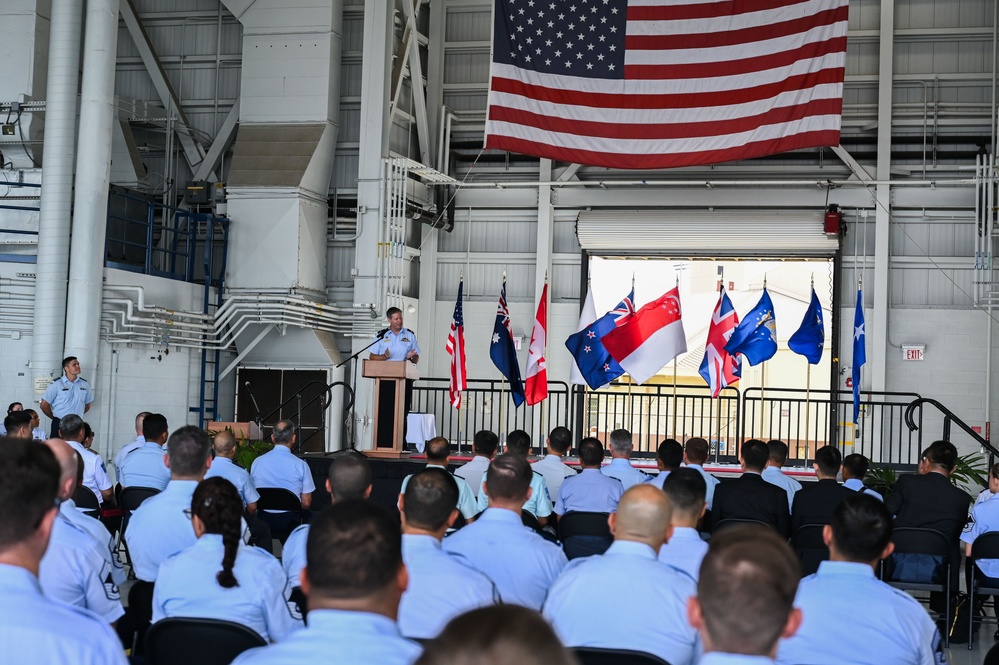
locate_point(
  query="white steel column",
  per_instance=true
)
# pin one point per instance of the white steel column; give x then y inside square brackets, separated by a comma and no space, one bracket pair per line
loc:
[543,266]
[878,333]
[52,267]
[93,168]
[375,79]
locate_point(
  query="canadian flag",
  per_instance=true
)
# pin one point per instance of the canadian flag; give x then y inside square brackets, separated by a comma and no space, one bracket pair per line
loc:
[537,371]
[649,339]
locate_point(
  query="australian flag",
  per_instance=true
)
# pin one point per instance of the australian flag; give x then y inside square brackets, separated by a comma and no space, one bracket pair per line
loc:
[594,362]
[809,338]
[503,352]
[756,337]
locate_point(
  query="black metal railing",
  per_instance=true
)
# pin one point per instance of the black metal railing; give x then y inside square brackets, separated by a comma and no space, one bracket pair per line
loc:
[913,420]
[323,397]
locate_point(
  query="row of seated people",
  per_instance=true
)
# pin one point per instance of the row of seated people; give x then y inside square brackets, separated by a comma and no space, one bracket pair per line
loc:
[364,578]
[23,423]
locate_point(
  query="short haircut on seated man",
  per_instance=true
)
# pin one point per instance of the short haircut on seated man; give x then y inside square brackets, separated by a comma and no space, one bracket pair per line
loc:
[560,440]
[829,460]
[755,454]
[282,432]
[621,442]
[857,465]
[29,482]
[349,475]
[686,490]
[497,635]
[430,498]
[508,478]
[71,425]
[777,451]
[223,442]
[354,550]
[154,426]
[746,589]
[670,453]
[485,442]
[518,442]
[591,451]
[697,450]
[438,449]
[16,420]
[861,528]
[188,450]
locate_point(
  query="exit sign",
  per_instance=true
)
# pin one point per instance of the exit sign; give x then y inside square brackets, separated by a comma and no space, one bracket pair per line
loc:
[913,352]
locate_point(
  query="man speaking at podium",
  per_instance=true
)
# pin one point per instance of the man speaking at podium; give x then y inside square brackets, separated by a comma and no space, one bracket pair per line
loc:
[394,343]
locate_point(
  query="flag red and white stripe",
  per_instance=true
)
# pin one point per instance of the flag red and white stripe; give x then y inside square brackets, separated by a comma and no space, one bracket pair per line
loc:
[537,369]
[456,349]
[666,83]
[649,339]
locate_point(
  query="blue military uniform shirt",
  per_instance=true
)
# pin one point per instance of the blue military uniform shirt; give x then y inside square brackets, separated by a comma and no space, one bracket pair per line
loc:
[68,397]
[984,517]
[711,482]
[223,467]
[590,491]
[497,539]
[160,528]
[539,505]
[685,550]
[466,498]
[398,345]
[144,467]
[622,469]
[775,476]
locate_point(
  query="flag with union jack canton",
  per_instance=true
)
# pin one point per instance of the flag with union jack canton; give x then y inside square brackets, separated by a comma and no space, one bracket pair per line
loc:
[595,363]
[719,368]
[502,350]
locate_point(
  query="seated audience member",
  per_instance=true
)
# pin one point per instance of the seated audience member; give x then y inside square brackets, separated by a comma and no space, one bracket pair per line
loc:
[854,471]
[438,452]
[441,585]
[76,569]
[34,628]
[17,425]
[815,503]
[348,477]
[221,578]
[695,455]
[625,598]
[518,442]
[13,407]
[280,468]
[590,491]
[145,465]
[985,519]
[773,474]
[849,616]
[498,538]
[224,447]
[354,580]
[745,597]
[749,497]
[160,527]
[927,499]
[669,457]
[551,466]
[70,463]
[131,445]
[484,446]
[685,489]
[620,465]
[499,635]
[37,433]
[72,430]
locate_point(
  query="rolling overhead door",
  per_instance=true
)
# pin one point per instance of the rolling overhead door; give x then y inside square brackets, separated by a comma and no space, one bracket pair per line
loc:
[706,233]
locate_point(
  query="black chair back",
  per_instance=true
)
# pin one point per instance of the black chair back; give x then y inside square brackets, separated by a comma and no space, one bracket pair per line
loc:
[278,498]
[183,641]
[133,497]
[290,515]
[529,520]
[584,534]
[985,546]
[598,656]
[730,522]
[140,610]
[87,501]
[811,548]
[929,543]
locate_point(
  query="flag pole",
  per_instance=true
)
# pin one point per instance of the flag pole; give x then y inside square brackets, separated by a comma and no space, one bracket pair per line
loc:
[631,379]
[808,393]
[674,371]
[763,379]
[545,413]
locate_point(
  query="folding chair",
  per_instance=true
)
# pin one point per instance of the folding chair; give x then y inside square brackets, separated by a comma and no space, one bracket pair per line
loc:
[599,656]
[930,542]
[180,640]
[811,549]
[129,501]
[281,509]
[140,609]
[584,533]
[986,546]
[730,522]
[87,502]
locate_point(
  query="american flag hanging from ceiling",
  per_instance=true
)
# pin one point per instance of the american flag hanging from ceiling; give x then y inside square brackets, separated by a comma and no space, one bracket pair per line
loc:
[642,84]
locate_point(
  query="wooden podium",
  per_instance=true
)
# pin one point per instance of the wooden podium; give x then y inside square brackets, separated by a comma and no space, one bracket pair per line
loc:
[390,395]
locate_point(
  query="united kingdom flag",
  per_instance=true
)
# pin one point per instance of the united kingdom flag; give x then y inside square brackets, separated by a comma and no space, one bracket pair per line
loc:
[719,368]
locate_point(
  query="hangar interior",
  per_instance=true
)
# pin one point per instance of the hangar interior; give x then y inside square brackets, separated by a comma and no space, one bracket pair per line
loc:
[206,200]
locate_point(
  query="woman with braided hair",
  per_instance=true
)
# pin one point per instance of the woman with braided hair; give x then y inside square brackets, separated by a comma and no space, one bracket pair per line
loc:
[219,577]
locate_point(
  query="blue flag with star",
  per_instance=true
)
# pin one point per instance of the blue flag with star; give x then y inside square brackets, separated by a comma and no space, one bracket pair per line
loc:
[594,361]
[503,352]
[810,336]
[756,335]
[859,352]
